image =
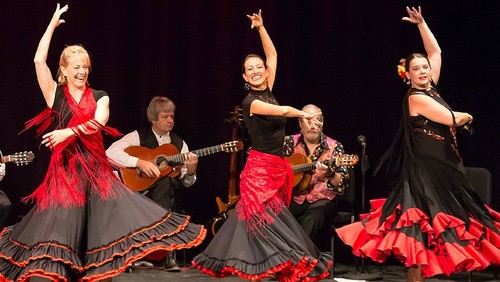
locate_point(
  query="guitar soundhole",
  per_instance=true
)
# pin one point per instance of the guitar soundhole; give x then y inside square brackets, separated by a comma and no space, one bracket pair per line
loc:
[161,163]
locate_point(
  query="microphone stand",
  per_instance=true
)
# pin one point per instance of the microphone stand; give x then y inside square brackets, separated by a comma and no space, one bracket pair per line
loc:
[363,275]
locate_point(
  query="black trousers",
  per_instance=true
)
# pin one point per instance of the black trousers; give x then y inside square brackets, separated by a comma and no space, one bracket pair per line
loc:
[168,193]
[312,216]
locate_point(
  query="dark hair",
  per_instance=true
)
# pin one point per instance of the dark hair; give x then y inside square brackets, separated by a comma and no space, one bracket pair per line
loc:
[251,56]
[414,56]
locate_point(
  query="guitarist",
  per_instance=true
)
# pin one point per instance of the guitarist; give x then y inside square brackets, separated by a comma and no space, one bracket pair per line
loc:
[318,200]
[5,205]
[160,113]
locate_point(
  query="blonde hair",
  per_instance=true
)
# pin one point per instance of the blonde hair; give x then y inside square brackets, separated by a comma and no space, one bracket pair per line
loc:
[68,52]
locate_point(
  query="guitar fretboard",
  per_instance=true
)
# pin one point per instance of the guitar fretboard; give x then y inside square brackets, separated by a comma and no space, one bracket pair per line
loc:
[306,167]
[200,153]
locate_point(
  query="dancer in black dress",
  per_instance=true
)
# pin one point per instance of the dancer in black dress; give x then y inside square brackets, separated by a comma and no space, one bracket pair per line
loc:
[262,237]
[85,225]
[432,221]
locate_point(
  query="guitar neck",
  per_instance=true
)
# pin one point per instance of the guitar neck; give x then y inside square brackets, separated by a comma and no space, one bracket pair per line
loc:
[5,159]
[304,167]
[179,158]
[309,166]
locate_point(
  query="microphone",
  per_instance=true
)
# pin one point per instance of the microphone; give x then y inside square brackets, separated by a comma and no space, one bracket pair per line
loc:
[362,140]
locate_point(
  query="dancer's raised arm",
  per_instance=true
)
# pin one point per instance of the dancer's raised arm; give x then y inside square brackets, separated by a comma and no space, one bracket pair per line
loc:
[43,74]
[267,45]
[430,43]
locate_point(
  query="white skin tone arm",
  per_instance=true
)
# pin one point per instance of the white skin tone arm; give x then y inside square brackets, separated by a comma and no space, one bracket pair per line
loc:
[424,105]
[260,107]
[60,135]
[48,87]
[267,45]
[431,109]
[430,43]
[43,74]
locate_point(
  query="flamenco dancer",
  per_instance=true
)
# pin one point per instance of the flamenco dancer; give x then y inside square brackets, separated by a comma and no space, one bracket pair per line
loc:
[432,221]
[85,224]
[262,238]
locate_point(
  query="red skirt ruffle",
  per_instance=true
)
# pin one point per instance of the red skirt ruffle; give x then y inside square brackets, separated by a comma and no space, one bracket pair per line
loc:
[443,245]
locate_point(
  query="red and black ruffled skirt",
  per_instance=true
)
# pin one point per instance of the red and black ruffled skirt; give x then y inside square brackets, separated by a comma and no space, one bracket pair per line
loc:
[92,242]
[441,245]
[261,237]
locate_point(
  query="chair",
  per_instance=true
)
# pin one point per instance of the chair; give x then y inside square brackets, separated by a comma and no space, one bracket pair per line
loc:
[344,215]
[481,180]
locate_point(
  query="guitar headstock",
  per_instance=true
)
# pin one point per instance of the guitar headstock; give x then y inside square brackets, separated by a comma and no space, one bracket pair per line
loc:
[232,146]
[236,116]
[21,158]
[345,160]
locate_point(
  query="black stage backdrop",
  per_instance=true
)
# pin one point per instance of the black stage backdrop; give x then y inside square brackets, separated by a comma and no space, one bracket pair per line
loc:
[340,55]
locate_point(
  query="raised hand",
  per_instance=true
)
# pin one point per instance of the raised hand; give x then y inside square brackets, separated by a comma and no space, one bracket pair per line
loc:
[256,19]
[415,16]
[56,18]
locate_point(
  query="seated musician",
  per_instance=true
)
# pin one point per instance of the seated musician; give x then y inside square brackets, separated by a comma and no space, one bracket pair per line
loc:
[160,113]
[316,201]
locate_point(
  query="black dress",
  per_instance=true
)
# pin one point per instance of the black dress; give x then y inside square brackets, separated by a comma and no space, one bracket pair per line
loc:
[432,217]
[98,239]
[262,237]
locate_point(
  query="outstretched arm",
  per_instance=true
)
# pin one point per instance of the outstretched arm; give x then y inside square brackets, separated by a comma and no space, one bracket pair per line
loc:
[430,43]
[267,45]
[429,108]
[43,74]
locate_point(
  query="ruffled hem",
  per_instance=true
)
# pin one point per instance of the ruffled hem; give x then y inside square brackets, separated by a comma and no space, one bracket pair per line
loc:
[443,245]
[287,267]
[52,261]
[282,248]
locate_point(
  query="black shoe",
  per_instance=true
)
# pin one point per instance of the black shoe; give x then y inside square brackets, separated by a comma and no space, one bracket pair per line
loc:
[170,264]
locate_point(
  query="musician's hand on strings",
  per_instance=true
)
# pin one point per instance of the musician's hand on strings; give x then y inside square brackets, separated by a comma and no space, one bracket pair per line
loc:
[191,163]
[148,168]
[326,171]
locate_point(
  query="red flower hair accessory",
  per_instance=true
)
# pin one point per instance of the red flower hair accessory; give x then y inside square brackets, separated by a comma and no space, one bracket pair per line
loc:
[402,70]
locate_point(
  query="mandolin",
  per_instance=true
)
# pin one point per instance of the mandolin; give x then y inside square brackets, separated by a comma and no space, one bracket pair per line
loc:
[20,158]
[168,160]
[302,165]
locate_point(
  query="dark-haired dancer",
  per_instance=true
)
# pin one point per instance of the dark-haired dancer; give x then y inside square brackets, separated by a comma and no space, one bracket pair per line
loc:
[262,237]
[432,221]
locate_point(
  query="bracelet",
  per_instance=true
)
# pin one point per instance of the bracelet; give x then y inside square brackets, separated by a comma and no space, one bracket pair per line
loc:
[75,131]
[339,189]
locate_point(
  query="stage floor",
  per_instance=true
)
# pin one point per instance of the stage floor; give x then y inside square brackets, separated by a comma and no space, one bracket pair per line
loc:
[385,272]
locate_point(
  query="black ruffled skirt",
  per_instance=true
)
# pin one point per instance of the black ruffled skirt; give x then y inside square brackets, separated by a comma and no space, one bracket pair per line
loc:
[281,247]
[95,241]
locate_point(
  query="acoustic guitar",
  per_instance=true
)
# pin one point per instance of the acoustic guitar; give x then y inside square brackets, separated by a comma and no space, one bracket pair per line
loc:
[302,166]
[168,160]
[20,158]
[225,209]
